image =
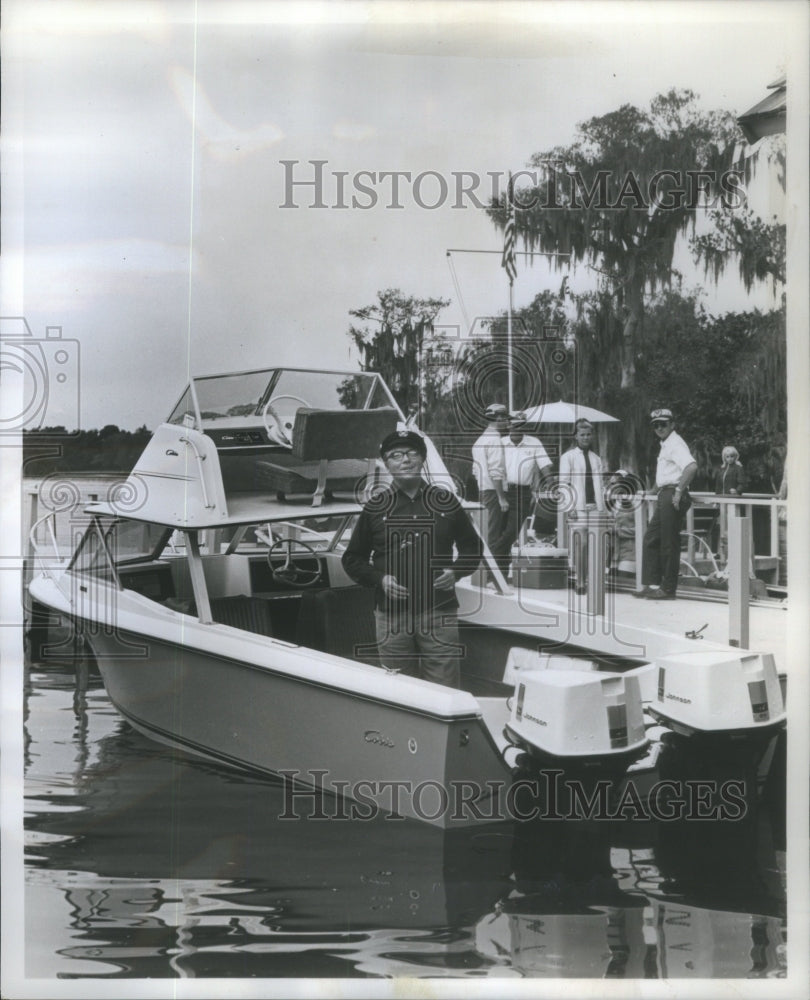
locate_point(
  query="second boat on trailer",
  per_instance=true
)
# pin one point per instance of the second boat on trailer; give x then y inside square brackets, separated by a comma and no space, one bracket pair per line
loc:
[210,590]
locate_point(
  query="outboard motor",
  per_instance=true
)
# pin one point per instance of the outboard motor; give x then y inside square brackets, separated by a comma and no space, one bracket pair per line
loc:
[575,715]
[734,694]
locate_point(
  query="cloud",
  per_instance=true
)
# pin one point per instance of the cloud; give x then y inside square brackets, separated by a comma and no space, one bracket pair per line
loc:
[221,139]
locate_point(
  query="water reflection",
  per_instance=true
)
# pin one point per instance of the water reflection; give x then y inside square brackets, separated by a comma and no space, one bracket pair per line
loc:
[656,900]
[166,866]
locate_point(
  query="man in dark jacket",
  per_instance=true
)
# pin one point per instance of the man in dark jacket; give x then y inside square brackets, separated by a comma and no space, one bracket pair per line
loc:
[403,546]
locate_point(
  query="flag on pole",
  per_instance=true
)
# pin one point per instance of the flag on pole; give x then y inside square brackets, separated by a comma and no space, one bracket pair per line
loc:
[508,258]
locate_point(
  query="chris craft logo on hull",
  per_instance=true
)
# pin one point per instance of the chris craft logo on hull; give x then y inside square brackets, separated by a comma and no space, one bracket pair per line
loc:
[375,736]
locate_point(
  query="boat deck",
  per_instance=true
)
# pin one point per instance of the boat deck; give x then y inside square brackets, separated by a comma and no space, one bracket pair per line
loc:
[709,619]
[767,620]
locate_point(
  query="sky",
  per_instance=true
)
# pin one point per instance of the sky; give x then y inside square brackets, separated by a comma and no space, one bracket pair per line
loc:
[144,171]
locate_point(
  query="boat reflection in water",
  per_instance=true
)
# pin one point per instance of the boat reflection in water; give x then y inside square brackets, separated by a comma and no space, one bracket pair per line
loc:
[175,868]
[165,858]
[661,900]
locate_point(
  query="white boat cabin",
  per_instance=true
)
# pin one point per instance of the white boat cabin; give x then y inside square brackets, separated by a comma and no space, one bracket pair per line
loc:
[240,508]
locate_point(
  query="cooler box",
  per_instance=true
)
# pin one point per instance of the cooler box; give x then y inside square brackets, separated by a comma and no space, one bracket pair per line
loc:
[540,567]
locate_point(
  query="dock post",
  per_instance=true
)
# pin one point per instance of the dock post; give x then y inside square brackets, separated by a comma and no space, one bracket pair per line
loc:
[739,560]
[588,543]
[641,527]
[600,530]
[562,536]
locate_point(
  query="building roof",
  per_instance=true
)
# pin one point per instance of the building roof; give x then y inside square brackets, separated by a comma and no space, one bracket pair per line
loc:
[768,116]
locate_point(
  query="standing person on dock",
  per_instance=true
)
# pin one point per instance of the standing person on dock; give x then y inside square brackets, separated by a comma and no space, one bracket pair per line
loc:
[527,469]
[674,471]
[581,470]
[402,545]
[729,481]
[489,469]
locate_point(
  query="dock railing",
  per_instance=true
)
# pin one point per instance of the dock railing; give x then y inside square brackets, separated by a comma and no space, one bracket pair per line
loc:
[768,560]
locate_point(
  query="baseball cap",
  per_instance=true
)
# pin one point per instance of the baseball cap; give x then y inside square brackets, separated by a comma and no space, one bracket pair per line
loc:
[495,410]
[403,439]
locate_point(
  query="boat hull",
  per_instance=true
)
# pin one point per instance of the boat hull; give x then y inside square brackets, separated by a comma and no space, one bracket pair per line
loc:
[376,754]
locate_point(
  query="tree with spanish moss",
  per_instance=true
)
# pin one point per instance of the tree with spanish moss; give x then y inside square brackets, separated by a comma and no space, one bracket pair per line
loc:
[395,338]
[759,247]
[622,195]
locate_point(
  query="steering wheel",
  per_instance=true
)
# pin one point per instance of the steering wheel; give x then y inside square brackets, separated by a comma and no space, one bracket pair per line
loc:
[278,431]
[290,573]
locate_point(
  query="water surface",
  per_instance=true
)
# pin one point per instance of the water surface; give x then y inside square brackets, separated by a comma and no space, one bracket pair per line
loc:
[143,862]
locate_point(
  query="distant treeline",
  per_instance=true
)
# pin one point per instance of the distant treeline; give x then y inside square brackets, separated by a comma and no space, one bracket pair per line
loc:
[53,449]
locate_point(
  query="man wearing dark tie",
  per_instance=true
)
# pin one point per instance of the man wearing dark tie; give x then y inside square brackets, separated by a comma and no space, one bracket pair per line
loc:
[580,491]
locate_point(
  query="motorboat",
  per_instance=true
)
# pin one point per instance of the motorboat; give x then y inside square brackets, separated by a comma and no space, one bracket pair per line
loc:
[208,587]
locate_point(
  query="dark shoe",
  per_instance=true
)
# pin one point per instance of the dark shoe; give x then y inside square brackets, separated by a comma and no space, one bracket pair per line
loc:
[644,592]
[660,595]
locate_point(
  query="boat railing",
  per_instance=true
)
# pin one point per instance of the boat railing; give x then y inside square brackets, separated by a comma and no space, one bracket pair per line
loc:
[44,561]
[200,458]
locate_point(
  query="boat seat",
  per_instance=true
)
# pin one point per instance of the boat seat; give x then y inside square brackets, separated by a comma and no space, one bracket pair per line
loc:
[252,614]
[340,622]
[333,451]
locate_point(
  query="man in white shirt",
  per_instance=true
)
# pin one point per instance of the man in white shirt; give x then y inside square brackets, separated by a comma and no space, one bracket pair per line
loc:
[489,469]
[674,472]
[581,490]
[527,468]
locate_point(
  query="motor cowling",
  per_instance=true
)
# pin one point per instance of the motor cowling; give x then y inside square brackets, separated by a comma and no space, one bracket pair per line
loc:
[577,714]
[717,693]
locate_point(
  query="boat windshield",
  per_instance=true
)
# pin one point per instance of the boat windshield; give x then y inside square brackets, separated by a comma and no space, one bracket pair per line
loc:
[118,541]
[240,399]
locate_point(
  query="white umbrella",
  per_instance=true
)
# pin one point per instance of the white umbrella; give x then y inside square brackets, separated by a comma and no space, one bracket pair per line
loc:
[566,413]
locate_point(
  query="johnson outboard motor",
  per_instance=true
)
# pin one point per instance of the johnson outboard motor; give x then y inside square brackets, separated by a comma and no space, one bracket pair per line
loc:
[567,711]
[733,696]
